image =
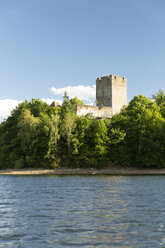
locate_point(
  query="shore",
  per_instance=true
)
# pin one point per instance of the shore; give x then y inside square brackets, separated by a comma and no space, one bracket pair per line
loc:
[113,170]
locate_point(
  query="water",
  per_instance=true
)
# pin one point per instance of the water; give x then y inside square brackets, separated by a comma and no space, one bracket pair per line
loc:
[82,211]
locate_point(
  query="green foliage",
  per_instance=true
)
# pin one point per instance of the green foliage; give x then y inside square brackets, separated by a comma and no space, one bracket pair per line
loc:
[36,135]
[143,144]
[159,99]
[69,105]
[74,102]
[37,106]
[18,131]
[99,142]
[66,106]
[66,130]
[90,143]
[19,163]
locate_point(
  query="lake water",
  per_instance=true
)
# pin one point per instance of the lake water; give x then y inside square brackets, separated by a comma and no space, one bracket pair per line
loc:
[82,211]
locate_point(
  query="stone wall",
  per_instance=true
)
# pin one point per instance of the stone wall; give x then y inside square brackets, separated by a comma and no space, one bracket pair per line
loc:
[100,112]
[119,93]
[111,96]
[111,91]
[104,91]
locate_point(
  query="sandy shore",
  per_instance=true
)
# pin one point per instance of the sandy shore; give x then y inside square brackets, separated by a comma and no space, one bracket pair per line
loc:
[113,170]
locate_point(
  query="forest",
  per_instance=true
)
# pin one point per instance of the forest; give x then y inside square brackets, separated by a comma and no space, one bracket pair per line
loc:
[38,136]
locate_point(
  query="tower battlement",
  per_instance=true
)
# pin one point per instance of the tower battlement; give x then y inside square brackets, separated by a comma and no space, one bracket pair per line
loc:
[111,91]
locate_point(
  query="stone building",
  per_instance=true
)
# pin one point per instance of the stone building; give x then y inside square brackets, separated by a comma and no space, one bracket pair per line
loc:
[55,104]
[100,112]
[111,96]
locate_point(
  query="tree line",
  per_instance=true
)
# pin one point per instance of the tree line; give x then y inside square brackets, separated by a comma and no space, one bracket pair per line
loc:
[38,136]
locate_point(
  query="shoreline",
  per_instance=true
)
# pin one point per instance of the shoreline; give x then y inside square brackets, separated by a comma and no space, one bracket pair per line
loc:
[111,171]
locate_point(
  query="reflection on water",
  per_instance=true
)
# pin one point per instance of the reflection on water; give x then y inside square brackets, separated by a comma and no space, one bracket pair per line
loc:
[77,211]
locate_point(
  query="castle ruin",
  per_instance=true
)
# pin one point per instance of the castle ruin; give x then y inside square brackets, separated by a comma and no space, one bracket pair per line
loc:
[111,96]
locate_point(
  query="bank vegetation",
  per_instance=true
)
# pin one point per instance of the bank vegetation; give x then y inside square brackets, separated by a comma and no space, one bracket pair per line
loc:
[38,136]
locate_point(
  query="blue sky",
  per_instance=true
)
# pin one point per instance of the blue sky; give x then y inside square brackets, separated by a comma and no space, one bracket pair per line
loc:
[48,44]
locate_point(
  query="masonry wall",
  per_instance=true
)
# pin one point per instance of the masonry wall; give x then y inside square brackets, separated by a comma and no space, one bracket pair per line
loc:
[104,91]
[119,93]
[105,112]
[111,91]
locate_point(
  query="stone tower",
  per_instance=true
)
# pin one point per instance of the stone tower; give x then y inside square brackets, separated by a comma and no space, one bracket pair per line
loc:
[111,91]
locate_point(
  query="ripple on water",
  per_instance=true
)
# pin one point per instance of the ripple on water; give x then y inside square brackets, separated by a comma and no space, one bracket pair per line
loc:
[82,211]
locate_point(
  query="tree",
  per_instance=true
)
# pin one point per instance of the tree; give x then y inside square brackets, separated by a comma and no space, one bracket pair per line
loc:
[159,99]
[37,106]
[94,143]
[143,144]
[29,133]
[54,136]
[74,102]
[79,141]
[10,153]
[10,145]
[66,106]
[68,125]
[100,141]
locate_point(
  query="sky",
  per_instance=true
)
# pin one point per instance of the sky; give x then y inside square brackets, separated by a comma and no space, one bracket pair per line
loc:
[49,46]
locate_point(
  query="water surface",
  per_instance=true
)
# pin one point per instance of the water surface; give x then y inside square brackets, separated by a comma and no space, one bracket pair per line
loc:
[82,211]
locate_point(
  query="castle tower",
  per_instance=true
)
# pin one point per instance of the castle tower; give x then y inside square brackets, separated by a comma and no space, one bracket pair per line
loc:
[111,91]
